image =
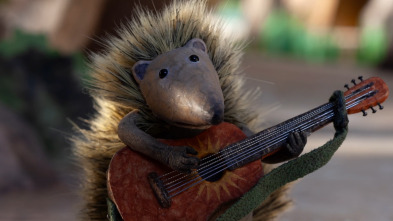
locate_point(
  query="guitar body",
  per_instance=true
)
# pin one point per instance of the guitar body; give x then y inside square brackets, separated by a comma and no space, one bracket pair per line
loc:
[129,187]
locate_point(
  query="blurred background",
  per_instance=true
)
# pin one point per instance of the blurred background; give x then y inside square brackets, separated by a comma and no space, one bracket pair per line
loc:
[299,52]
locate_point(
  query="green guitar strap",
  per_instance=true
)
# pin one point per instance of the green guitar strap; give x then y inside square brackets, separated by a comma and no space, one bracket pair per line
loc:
[288,172]
[282,175]
[113,213]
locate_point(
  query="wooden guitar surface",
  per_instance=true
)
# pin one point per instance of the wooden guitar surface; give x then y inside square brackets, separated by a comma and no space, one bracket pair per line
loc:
[129,188]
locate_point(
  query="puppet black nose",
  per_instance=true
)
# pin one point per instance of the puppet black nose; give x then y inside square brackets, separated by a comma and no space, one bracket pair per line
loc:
[218,115]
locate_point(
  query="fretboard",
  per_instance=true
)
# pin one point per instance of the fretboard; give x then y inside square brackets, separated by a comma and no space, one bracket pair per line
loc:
[273,138]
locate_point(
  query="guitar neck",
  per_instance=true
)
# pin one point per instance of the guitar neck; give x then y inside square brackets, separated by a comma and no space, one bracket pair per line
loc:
[308,122]
[273,138]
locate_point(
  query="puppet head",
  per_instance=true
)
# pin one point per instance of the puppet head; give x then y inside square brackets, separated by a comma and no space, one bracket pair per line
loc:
[182,86]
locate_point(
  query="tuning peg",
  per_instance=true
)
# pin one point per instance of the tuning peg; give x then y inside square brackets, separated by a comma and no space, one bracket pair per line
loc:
[360,78]
[364,113]
[380,106]
[373,110]
[353,81]
[346,86]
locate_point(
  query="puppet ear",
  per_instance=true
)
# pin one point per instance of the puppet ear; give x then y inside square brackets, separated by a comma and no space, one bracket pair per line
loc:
[139,70]
[197,43]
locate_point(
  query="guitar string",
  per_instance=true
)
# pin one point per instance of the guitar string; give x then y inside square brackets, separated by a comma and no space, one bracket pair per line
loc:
[201,180]
[255,137]
[331,115]
[354,93]
[311,125]
[254,151]
[220,171]
[251,142]
[204,173]
[223,163]
[191,186]
[210,170]
[233,152]
[197,180]
[278,129]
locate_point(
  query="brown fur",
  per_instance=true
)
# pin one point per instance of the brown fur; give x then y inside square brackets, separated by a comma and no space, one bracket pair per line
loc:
[116,93]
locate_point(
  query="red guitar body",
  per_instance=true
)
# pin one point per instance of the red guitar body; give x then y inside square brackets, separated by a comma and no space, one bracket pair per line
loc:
[129,188]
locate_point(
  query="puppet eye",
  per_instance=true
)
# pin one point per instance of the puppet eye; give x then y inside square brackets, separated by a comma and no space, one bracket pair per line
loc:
[194,58]
[163,73]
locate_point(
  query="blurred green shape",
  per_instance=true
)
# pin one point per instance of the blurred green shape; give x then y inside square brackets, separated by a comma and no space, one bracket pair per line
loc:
[317,48]
[279,32]
[20,41]
[284,35]
[372,46]
[8,93]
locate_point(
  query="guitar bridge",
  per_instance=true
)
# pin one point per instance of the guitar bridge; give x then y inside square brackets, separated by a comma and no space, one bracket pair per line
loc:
[159,190]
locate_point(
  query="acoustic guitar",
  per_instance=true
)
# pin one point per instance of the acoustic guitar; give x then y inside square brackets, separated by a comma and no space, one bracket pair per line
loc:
[144,189]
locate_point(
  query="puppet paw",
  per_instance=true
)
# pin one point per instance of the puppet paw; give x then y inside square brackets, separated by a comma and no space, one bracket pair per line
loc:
[179,158]
[291,149]
[340,120]
[295,143]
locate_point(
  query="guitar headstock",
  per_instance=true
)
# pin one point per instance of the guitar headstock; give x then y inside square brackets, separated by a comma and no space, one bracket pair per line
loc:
[366,94]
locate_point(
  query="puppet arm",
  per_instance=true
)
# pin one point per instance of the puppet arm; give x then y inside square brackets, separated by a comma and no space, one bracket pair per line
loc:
[176,157]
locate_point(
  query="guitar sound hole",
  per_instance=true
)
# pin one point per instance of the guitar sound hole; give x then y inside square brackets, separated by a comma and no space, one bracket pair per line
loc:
[212,173]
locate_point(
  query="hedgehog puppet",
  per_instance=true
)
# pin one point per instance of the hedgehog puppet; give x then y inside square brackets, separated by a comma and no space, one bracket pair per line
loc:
[168,96]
